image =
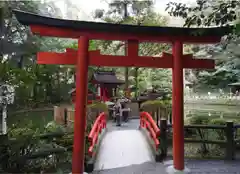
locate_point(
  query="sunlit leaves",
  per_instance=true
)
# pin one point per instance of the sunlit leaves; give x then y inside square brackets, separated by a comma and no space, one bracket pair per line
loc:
[206,13]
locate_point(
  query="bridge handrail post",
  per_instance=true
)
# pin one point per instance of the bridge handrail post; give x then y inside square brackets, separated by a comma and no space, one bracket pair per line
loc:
[163,137]
[152,122]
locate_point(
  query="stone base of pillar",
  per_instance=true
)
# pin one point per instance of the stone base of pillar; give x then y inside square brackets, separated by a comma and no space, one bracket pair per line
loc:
[171,170]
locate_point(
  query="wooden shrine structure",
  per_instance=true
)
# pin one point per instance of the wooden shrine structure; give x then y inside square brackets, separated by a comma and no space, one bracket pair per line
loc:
[105,83]
[133,35]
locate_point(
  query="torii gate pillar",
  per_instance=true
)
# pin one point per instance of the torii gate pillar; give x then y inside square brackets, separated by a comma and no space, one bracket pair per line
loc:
[80,106]
[178,103]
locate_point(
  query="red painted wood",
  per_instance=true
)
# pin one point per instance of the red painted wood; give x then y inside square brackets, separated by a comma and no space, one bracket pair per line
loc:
[178,116]
[105,60]
[67,33]
[67,58]
[153,134]
[146,121]
[100,119]
[80,106]
[99,124]
[132,60]
[192,63]
[71,50]
[152,122]
[132,48]
[56,58]
[198,63]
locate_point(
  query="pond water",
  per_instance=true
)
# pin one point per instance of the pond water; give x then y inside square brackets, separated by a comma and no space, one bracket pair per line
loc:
[213,111]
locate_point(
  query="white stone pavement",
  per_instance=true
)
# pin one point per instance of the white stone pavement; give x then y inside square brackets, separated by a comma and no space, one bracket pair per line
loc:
[121,148]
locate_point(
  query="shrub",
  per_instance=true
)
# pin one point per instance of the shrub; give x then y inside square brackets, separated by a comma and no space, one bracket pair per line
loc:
[20,142]
[54,127]
[161,107]
[102,107]
[156,103]
[26,140]
[218,134]
[199,120]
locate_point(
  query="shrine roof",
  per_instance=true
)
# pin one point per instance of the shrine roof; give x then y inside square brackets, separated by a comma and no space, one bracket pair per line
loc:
[107,77]
[26,18]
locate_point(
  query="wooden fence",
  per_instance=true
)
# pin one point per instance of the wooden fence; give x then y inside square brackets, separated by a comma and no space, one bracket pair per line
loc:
[230,140]
[65,115]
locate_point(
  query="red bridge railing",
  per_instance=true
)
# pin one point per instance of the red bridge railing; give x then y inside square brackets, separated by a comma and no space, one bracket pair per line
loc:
[147,122]
[96,130]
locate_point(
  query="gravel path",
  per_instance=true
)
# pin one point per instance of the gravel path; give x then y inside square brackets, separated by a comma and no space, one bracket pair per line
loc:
[195,166]
[213,167]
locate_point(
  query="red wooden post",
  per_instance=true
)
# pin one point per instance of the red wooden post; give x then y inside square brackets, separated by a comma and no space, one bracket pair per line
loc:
[80,106]
[173,94]
[178,117]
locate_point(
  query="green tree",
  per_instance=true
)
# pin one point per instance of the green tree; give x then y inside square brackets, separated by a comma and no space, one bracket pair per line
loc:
[33,83]
[225,54]
[120,9]
[206,13]
[142,13]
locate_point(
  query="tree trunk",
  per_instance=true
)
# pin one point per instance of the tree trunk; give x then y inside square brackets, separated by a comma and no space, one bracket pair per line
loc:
[136,82]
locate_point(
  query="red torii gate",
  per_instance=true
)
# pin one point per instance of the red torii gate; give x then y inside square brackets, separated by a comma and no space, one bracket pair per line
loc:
[82,58]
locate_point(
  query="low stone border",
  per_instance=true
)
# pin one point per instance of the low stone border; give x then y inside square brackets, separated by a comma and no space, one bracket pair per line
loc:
[89,165]
[156,154]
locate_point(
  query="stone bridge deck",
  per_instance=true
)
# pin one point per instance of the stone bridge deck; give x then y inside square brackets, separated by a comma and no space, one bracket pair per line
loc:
[124,150]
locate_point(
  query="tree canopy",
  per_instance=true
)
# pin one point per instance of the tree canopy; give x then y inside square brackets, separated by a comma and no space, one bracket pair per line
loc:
[213,13]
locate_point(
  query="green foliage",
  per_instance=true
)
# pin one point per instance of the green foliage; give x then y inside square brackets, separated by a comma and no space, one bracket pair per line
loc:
[20,141]
[156,103]
[34,84]
[206,13]
[23,143]
[27,141]
[102,107]
[54,127]
[218,121]
[199,120]
[220,134]
[207,150]
[142,13]
[92,45]
[157,107]
[213,13]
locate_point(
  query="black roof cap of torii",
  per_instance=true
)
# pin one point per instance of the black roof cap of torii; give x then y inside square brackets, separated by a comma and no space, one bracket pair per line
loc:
[27,18]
